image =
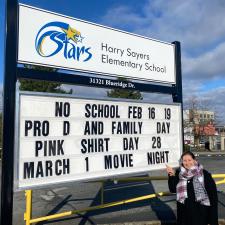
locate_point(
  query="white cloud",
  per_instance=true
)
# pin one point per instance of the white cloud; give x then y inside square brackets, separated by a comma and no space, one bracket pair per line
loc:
[196,23]
[123,17]
[190,87]
[206,66]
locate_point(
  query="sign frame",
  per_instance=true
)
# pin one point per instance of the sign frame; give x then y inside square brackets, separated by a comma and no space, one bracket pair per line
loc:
[40,94]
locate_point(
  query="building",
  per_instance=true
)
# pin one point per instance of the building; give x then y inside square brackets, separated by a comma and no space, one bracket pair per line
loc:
[220,132]
[199,128]
[199,116]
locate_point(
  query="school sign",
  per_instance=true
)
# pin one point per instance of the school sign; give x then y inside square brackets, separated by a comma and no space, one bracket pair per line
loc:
[58,41]
[62,139]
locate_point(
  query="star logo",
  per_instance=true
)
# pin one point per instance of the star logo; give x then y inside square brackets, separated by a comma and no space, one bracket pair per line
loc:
[80,38]
[66,39]
[73,34]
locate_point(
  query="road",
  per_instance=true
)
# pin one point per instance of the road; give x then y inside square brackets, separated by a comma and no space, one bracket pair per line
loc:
[80,195]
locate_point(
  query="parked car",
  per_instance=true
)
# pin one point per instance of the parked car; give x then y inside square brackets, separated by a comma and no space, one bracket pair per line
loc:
[202,144]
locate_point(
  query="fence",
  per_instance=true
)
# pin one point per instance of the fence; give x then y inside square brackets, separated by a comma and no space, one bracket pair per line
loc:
[28,193]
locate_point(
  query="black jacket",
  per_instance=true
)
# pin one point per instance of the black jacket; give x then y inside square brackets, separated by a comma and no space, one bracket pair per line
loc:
[190,210]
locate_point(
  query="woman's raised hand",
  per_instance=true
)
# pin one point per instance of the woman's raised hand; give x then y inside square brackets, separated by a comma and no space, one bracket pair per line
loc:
[170,170]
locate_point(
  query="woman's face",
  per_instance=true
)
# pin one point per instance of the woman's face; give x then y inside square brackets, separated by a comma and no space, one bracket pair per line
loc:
[188,161]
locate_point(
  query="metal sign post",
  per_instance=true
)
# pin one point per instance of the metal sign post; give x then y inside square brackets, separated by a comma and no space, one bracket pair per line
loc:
[178,96]
[8,112]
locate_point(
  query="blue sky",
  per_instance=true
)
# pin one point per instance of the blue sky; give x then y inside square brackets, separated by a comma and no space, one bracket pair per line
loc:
[198,24]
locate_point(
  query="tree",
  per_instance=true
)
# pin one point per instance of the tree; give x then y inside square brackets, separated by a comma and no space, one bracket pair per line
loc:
[42,86]
[198,121]
[123,93]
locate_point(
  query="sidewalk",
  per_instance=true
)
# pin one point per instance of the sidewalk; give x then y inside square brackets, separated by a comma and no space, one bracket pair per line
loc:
[221,222]
[209,153]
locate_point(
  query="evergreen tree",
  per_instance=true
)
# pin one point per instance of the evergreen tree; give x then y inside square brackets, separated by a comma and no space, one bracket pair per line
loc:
[42,86]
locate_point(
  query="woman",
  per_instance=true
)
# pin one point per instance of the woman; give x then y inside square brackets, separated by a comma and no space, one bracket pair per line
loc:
[195,191]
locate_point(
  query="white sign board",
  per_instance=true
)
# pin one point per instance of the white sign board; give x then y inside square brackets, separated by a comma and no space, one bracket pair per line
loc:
[54,40]
[66,139]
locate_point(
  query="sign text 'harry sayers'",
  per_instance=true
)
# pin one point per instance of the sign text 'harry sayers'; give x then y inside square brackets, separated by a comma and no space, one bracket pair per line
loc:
[68,139]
